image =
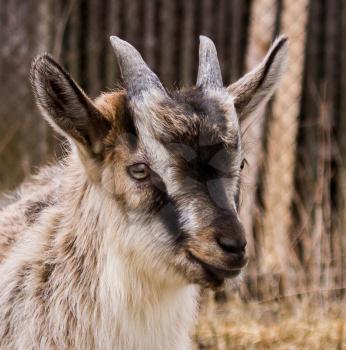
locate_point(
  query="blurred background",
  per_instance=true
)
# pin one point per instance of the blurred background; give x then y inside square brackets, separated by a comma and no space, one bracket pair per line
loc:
[294,186]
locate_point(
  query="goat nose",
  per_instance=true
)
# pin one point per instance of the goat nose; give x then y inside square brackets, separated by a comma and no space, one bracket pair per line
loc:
[232,245]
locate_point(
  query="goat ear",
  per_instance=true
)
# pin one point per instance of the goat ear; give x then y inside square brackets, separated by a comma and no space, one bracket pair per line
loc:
[66,107]
[256,87]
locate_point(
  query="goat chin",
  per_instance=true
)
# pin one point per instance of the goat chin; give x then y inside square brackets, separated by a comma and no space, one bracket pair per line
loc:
[232,284]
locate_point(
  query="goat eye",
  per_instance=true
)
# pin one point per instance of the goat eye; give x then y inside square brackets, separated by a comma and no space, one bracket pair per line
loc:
[139,171]
[243,163]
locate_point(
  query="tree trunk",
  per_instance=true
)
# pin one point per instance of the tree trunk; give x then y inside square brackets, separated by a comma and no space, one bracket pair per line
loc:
[281,142]
[261,33]
[23,133]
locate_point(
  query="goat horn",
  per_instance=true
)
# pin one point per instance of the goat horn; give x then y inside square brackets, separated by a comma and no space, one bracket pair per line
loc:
[136,74]
[209,73]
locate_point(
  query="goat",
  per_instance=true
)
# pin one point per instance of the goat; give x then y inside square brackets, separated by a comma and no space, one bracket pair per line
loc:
[108,249]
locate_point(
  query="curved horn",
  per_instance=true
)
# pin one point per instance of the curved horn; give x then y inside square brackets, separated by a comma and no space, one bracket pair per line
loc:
[136,74]
[209,73]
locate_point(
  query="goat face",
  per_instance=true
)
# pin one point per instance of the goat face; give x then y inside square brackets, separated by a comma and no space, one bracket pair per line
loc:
[170,161]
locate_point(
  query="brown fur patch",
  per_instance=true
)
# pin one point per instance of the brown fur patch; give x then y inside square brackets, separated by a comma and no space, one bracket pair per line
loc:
[111,105]
[194,118]
[34,209]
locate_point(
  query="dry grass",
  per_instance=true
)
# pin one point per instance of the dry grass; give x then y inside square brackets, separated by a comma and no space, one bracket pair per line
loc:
[280,326]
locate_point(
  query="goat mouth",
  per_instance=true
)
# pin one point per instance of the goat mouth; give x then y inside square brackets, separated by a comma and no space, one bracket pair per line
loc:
[214,275]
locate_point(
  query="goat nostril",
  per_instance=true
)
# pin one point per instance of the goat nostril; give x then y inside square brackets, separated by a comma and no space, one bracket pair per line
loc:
[231,245]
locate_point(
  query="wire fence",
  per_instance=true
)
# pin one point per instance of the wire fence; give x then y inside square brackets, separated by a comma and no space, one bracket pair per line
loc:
[295,185]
